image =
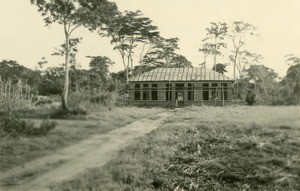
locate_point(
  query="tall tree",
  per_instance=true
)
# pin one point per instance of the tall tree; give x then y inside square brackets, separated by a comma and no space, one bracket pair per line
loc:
[144,49]
[264,83]
[74,65]
[244,60]
[180,61]
[41,63]
[99,72]
[52,81]
[206,49]
[72,14]
[99,66]
[292,78]
[163,52]
[12,70]
[238,34]
[73,50]
[126,32]
[221,68]
[214,41]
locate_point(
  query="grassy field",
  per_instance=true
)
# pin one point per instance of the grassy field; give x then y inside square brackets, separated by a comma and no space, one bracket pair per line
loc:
[208,148]
[17,151]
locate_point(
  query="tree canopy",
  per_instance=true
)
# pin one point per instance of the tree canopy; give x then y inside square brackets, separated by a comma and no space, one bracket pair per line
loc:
[214,40]
[126,32]
[221,68]
[71,15]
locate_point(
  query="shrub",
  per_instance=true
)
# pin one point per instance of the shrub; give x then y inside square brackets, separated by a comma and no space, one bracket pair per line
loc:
[12,126]
[41,100]
[112,87]
[78,111]
[76,98]
[98,99]
[70,113]
[107,100]
[250,98]
[41,111]
[47,126]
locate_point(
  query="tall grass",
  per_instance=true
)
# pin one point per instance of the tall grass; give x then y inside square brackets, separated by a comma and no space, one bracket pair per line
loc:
[85,99]
[13,96]
[205,148]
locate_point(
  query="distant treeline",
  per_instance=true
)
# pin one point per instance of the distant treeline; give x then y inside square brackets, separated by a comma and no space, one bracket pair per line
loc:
[259,84]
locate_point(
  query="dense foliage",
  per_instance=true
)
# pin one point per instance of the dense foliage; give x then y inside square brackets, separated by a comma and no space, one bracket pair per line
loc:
[258,85]
[11,126]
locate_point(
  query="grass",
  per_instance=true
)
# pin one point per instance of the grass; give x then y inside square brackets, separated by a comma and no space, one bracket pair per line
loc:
[17,151]
[208,148]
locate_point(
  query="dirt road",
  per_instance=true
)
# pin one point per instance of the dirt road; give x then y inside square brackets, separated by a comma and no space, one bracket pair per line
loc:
[70,162]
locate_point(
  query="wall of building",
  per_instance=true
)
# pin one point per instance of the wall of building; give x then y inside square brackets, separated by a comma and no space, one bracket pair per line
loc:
[186,103]
[198,88]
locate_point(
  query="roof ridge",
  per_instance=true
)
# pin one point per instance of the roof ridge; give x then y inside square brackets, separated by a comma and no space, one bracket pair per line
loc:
[181,74]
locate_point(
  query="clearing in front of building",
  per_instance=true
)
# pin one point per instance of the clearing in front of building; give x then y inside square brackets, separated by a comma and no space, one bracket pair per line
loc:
[208,148]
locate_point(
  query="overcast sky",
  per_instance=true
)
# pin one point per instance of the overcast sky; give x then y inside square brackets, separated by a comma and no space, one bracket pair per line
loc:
[24,38]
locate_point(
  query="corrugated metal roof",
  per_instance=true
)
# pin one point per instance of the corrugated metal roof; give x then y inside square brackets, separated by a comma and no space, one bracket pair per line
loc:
[180,74]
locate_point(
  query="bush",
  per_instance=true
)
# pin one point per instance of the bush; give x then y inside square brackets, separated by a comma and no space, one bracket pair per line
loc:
[112,87]
[41,111]
[78,111]
[286,100]
[43,102]
[76,98]
[107,100]
[71,113]
[98,99]
[11,126]
[47,126]
[250,98]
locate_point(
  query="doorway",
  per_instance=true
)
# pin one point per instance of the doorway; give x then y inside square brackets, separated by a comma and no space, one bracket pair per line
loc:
[179,94]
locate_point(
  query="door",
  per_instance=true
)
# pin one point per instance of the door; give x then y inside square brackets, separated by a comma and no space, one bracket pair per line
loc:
[180,98]
[179,94]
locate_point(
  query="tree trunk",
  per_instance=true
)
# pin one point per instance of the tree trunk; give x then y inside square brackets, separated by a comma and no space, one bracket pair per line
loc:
[127,76]
[204,60]
[66,83]
[215,65]
[125,66]
[215,54]
[215,61]
[127,69]
[234,64]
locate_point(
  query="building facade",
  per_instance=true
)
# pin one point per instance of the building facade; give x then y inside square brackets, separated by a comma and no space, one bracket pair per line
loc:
[180,87]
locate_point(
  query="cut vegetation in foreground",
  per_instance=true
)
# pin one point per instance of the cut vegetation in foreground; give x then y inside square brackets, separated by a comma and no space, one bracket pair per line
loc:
[243,148]
[16,151]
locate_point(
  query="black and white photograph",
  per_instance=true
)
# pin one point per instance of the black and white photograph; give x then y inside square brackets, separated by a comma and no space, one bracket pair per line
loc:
[146,95]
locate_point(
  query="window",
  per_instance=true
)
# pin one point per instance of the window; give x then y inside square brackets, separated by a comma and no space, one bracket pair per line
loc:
[137,93]
[145,91]
[214,92]
[137,86]
[190,91]
[205,92]
[179,86]
[154,92]
[224,89]
[168,91]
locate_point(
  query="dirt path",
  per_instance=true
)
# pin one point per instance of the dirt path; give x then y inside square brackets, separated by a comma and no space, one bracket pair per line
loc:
[69,162]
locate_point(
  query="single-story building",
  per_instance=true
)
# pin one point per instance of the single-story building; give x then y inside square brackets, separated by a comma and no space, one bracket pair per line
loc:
[180,86]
